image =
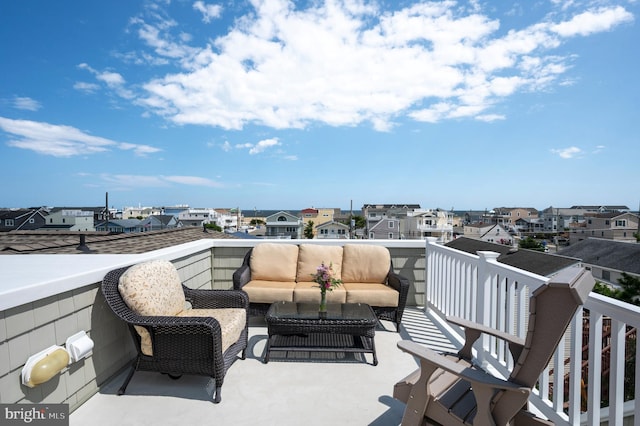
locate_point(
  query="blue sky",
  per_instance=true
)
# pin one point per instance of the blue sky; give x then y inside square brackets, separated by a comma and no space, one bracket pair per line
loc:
[287,105]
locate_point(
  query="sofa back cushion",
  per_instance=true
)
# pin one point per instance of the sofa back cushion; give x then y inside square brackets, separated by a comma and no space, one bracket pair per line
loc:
[274,262]
[152,288]
[310,256]
[365,264]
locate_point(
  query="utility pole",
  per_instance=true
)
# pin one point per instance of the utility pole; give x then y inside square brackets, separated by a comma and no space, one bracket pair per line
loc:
[351,221]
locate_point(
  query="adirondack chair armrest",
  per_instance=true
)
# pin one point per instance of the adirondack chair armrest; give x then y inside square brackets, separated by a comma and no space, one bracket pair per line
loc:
[474,376]
[472,332]
[483,384]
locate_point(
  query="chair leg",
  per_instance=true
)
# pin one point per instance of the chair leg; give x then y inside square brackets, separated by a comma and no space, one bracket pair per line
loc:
[132,370]
[218,396]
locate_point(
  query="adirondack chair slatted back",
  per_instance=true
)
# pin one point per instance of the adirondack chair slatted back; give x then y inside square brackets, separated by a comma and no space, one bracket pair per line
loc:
[551,308]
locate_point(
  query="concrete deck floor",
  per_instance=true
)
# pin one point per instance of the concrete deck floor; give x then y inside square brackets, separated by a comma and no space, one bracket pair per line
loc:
[320,390]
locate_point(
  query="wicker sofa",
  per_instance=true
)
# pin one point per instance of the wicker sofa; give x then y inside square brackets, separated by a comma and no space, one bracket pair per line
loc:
[273,272]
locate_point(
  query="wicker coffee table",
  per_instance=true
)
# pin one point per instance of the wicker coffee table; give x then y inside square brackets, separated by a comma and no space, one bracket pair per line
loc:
[298,327]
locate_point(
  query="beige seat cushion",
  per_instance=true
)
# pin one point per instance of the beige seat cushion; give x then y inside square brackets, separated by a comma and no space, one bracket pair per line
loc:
[372,294]
[310,256]
[274,262]
[152,288]
[232,322]
[365,264]
[310,292]
[260,291]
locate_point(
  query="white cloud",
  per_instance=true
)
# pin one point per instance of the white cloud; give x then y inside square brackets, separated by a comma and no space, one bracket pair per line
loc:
[209,11]
[62,141]
[256,148]
[490,117]
[568,153]
[192,180]
[86,87]
[263,145]
[593,21]
[26,103]
[113,80]
[348,63]
[156,181]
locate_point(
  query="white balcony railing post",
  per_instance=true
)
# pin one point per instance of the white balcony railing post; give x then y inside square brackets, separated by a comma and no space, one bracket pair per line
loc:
[428,265]
[483,302]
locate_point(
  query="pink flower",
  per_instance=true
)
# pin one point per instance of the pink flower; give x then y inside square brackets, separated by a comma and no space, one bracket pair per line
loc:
[324,277]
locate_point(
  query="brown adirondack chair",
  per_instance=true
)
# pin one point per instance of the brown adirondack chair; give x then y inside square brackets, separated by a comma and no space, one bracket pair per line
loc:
[451,390]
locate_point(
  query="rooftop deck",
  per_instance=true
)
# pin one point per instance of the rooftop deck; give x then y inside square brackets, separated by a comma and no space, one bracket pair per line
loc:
[46,297]
[310,389]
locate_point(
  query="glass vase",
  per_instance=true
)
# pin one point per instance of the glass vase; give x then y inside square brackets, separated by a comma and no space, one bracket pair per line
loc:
[323,302]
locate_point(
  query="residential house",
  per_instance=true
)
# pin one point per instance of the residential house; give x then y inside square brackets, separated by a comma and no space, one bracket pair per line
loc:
[507,216]
[489,232]
[604,209]
[558,219]
[283,225]
[198,216]
[121,226]
[140,212]
[611,226]
[471,216]
[159,222]
[228,219]
[318,216]
[70,219]
[528,226]
[375,213]
[387,228]
[420,224]
[21,219]
[607,259]
[332,229]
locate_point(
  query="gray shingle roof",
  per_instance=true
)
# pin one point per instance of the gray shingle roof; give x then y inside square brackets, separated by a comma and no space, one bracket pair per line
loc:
[618,255]
[537,262]
[52,242]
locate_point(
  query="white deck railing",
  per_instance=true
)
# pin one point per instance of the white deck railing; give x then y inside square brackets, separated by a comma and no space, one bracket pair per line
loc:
[478,288]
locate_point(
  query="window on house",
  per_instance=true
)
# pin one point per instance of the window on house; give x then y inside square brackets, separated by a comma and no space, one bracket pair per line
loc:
[8,222]
[622,222]
[32,220]
[606,222]
[391,224]
[372,235]
[390,235]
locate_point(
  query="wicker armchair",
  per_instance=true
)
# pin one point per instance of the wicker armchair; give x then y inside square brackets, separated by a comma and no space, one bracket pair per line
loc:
[191,341]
